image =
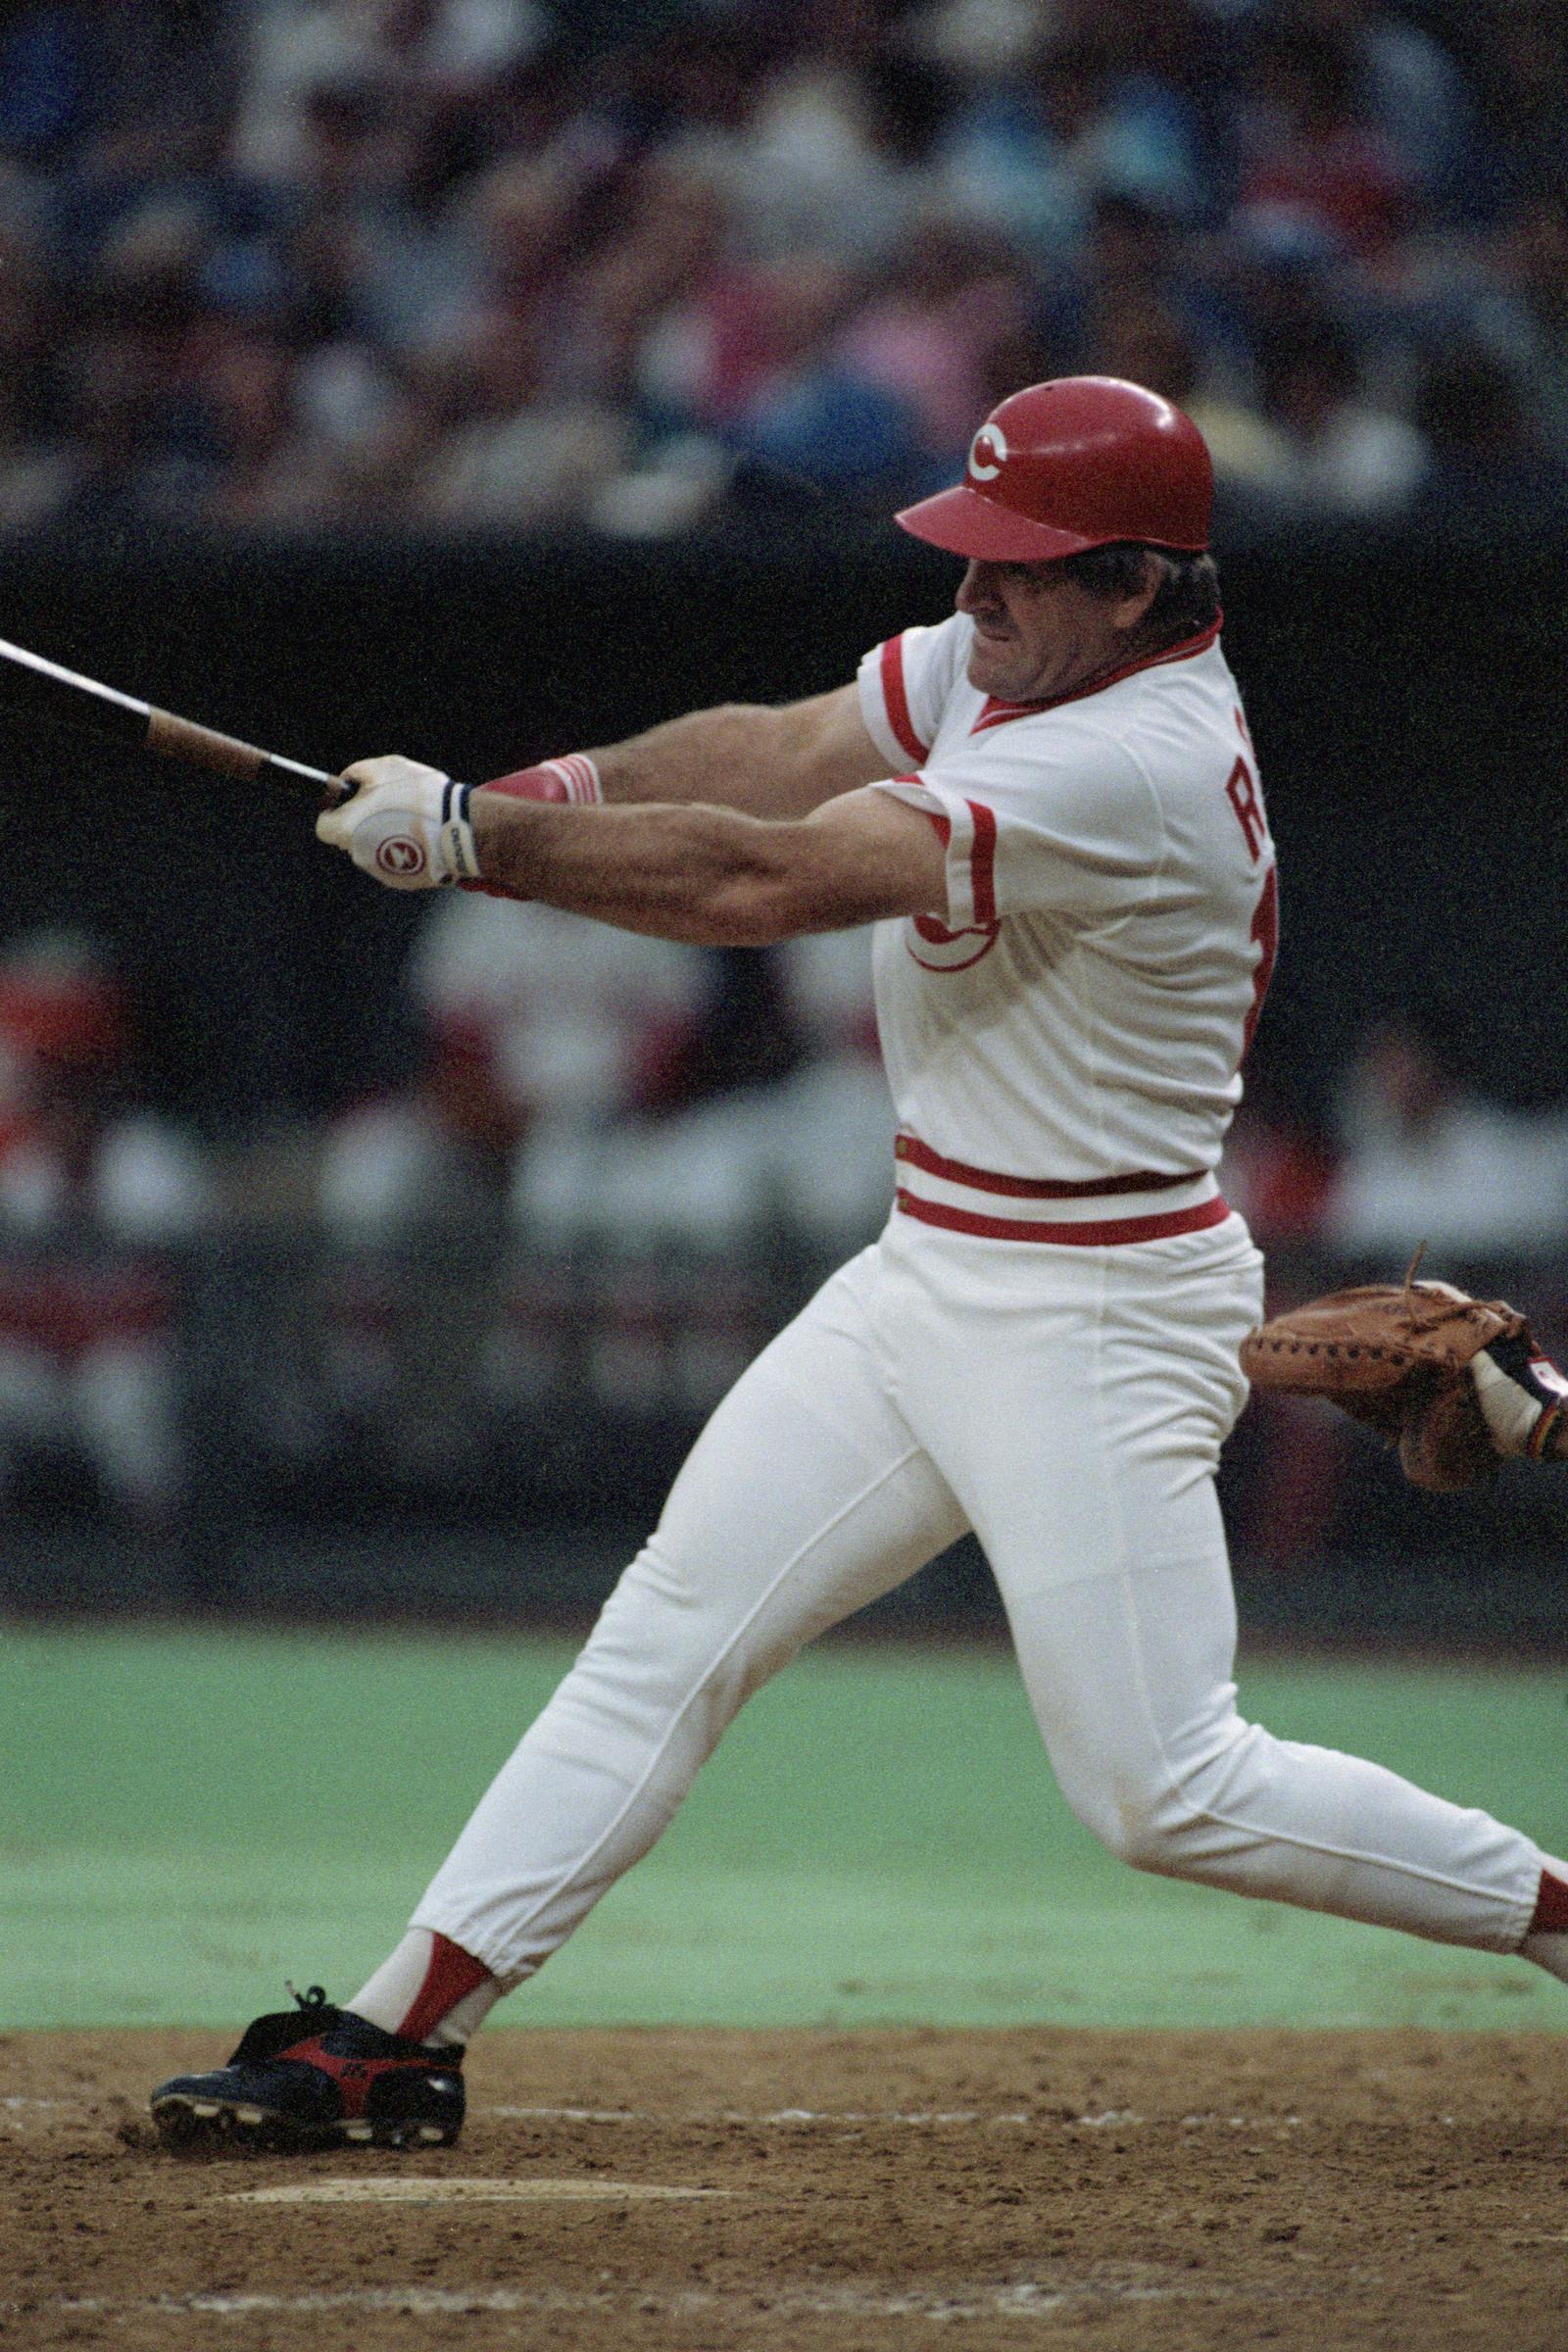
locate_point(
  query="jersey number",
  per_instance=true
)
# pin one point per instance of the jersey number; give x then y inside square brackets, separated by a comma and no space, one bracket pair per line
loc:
[1265,936]
[1240,790]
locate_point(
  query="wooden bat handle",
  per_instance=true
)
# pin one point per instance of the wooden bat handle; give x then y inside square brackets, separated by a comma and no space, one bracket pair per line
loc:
[174,738]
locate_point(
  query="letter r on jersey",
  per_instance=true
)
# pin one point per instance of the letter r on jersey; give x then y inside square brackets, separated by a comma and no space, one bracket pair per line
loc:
[1240,790]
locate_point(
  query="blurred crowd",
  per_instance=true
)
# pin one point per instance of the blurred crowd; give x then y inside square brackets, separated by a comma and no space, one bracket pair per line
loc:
[483,264]
[599,1152]
[583,1099]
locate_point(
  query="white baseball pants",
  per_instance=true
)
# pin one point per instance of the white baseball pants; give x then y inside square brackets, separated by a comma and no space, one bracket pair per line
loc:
[1067,1403]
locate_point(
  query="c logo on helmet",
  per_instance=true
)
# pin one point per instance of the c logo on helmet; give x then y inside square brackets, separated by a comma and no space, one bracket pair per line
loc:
[987,453]
[400,855]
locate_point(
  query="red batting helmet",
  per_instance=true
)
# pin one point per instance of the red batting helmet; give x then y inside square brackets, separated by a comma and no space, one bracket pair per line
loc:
[1069,464]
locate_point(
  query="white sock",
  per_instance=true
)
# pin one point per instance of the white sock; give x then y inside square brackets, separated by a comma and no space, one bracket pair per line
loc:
[1550,1952]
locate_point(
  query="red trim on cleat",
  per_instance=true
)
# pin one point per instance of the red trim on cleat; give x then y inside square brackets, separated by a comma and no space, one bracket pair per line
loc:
[353,2076]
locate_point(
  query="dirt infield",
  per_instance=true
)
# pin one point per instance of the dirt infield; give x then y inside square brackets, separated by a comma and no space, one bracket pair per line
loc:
[831,2193]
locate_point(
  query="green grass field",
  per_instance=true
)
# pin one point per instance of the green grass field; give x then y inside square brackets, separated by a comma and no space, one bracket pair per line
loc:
[188,1818]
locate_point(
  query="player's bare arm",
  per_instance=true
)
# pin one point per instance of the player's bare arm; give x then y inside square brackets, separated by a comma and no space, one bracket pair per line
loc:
[711,876]
[770,761]
[716,876]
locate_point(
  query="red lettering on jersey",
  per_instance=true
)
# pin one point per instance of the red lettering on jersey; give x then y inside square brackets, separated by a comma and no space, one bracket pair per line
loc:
[1240,790]
[936,949]
[1265,936]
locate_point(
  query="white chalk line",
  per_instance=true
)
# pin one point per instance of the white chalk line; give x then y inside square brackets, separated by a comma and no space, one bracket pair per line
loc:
[462,2188]
[912,2118]
[770,2118]
[1022,2299]
[18,2112]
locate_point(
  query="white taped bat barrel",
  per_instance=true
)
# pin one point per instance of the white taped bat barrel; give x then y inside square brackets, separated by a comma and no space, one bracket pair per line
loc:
[31,683]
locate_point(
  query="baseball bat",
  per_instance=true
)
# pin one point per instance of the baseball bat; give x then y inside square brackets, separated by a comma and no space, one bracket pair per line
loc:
[30,682]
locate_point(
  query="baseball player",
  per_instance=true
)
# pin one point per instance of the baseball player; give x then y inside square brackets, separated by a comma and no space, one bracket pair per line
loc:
[1050,806]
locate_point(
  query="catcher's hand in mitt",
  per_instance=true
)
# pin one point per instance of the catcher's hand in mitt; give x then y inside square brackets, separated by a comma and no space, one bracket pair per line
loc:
[1457,1383]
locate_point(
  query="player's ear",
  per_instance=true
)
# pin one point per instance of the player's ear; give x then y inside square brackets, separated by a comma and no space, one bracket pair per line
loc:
[1132,609]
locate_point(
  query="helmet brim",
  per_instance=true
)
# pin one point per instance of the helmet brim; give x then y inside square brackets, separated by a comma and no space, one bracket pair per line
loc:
[967,524]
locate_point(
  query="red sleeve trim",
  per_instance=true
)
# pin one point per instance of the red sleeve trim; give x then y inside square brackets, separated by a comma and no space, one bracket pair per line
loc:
[983,862]
[898,700]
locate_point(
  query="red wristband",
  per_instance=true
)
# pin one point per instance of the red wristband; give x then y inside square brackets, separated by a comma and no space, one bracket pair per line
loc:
[573,780]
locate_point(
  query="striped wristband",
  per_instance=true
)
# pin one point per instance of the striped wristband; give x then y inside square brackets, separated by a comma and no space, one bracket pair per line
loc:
[458,853]
[573,779]
[579,777]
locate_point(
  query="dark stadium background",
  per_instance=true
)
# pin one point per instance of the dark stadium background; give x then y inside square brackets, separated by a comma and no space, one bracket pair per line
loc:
[1403,672]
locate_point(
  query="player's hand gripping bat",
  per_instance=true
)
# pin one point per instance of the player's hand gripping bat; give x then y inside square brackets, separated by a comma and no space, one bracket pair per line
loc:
[28,682]
[407,826]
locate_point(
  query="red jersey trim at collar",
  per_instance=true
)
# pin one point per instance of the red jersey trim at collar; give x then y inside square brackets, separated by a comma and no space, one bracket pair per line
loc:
[998,715]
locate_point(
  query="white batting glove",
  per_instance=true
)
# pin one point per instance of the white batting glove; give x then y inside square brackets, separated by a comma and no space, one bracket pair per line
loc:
[404,824]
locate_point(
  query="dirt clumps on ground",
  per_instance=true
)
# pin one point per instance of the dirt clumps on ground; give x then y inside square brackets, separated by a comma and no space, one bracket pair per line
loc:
[690,2191]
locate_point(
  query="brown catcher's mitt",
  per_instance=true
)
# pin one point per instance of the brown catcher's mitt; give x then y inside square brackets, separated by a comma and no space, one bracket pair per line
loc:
[1398,1357]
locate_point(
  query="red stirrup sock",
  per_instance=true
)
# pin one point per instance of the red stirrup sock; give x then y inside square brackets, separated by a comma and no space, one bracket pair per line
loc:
[430,1989]
[1546,1937]
[1552,1907]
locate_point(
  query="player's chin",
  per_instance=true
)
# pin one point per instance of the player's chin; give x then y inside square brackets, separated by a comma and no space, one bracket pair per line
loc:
[989,669]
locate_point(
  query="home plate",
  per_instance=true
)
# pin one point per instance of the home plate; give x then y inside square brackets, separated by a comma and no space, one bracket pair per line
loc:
[398,2188]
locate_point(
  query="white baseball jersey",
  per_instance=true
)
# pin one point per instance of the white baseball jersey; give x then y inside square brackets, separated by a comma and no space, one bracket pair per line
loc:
[1073,1032]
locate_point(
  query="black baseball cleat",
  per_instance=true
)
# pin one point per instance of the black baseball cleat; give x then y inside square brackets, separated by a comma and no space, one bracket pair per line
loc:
[315,2077]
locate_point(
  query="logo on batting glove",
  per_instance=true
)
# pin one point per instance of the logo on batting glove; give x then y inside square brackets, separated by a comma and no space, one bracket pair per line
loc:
[400,856]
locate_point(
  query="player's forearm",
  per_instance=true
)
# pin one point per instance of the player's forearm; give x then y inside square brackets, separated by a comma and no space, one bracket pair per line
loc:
[717,877]
[736,755]
[783,761]
[712,876]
